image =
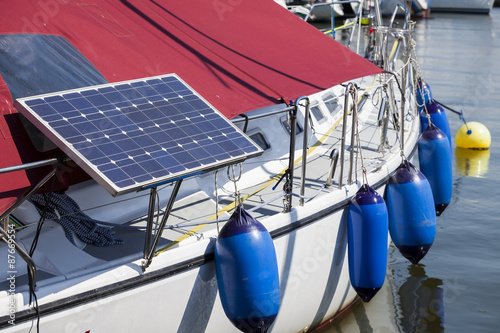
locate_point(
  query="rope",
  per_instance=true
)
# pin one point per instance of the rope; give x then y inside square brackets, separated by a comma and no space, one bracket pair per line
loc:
[63,209]
[419,80]
[459,113]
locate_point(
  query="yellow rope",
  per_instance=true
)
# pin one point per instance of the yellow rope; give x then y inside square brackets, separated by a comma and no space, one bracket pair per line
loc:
[394,47]
[337,28]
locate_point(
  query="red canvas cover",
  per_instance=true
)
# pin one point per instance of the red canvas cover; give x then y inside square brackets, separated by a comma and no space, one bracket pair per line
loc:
[239,55]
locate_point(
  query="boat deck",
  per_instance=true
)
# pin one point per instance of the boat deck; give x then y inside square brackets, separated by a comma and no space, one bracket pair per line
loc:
[260,199]
[193,216]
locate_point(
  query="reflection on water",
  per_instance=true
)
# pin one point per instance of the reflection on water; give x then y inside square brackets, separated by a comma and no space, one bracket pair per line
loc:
[409,302]
[472,162]
[419,302]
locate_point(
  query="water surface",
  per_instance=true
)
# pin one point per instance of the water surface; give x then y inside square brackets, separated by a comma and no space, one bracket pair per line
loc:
[456,287]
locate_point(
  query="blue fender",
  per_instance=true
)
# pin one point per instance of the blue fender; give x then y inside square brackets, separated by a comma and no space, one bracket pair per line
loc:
[438,118]
[367,232]
[247,273]
[412,215]
[435,163]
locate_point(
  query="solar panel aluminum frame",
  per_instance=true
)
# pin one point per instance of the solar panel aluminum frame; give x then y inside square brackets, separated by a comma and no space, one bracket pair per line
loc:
[252,149]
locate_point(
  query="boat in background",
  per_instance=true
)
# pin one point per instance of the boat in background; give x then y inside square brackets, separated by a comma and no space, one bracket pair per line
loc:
[146,146]
[387,7]
[315,11]
[462,6]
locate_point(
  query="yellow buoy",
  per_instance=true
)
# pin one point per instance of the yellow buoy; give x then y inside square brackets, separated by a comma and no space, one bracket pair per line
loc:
[473,135]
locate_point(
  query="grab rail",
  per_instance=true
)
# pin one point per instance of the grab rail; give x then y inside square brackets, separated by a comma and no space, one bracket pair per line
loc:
[32,165]
[262,115]
[334,156]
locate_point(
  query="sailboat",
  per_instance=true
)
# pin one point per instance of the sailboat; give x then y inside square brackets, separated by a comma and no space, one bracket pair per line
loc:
[387,7]
[138,136]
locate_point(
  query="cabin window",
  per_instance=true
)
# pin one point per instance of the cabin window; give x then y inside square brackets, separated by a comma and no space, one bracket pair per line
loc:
[285,121]
[316,111]
[331,103]
[258,138]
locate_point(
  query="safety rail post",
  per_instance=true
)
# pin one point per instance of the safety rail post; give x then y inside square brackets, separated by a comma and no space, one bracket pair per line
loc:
[304,146]
[287,200]
[404,83]
[354,124]
[344,128]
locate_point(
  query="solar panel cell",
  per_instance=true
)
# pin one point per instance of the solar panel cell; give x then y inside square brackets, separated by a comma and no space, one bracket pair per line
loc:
[54,99]
[80,103]
[67,131]
[135,134]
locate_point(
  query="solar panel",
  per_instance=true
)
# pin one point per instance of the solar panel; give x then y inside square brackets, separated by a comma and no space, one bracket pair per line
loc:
[135,134]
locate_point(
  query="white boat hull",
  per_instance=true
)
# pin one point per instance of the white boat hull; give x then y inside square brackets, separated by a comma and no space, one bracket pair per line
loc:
[178,292]
[179,296]
[476,6]
[91,289]
[313,267]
